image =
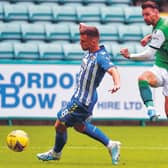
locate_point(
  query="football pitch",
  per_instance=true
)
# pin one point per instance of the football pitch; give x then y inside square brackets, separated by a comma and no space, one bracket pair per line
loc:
[142,147]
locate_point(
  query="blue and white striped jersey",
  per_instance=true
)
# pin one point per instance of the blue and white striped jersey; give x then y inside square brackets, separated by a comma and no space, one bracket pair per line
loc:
[93,67]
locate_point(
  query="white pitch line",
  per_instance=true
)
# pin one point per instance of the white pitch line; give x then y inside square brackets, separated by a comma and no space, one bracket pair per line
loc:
[98,148]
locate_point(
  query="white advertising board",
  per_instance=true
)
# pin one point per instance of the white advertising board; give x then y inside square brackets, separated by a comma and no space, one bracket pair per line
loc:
[40,90]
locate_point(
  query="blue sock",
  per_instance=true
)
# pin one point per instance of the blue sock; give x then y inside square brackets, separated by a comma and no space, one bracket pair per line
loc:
[93,132]
[60,141]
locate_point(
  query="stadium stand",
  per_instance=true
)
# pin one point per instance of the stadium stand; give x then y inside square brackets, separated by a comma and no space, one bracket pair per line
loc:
[48,30]
[83,2]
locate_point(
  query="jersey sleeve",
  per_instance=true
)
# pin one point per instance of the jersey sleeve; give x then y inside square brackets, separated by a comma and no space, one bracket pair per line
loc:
[157,39]
[104,61]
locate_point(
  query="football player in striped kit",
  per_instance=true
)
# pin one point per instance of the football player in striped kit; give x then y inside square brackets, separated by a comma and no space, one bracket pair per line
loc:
[95,63]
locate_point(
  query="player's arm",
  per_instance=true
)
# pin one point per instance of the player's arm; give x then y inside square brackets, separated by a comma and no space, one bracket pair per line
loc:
[156,42]
[145,40]
[116,78]
[145,55]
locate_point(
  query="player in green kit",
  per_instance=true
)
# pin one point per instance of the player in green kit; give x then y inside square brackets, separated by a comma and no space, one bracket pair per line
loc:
[157,76]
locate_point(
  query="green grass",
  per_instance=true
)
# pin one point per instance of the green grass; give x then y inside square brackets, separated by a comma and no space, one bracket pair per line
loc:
[142,147]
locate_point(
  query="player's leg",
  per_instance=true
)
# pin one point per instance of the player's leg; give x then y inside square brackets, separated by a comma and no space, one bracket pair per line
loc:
[95,133]
[60,141]
[146,80]
[61,136]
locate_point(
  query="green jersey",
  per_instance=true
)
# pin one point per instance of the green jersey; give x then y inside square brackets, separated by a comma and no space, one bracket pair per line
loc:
[160,42]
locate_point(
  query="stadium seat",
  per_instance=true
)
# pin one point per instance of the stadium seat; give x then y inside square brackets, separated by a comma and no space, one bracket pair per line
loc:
[26,51]
[10,31]
[108,32]
[63,2]
[72,51]
[74,33]
[57,32]
[116,50]
[6,51]
[40,13]
[34,1]
[1,13]
[112,14]
[146,29]
[88,14]
[133,14]
[129,33]
[32,32]
[64,13]
[51,52]
[112,2]
[15,12]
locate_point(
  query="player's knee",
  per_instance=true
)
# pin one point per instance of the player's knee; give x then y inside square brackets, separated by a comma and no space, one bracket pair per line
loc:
[79,127]
[60,127]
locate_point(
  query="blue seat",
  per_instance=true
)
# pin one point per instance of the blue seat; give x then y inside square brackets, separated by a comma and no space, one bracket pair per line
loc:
[6,51]
[51,52]
[112,14]
[26,51]
[133,14]
[32,32]
[57,32]
[88,14]
[15,12]
[10,31]
[72,51]
[129,33]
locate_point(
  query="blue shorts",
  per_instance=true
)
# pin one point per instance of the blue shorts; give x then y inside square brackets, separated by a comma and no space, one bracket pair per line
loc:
[73,113]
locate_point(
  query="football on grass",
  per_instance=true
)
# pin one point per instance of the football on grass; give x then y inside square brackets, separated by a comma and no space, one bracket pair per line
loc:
[17,140]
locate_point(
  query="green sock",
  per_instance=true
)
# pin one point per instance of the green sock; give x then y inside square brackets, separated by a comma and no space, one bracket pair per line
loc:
[145,93]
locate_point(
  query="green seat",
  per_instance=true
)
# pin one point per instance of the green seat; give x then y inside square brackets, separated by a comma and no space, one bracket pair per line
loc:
[64,13]
[74,33]
[40,13]
[1,12]
[51,51]
[146,29]
[57,32]
[6,50]
[73,51]
[129,33]
[121,2]
[10,31]
[33,32]
[133,14]
[112,14]
[116,50]
[15,12]
[108,32]
[88,14]
[26,51]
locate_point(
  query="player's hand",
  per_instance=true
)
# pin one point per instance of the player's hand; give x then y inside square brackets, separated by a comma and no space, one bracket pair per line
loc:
[125,53]
[145,40]
[114,89]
